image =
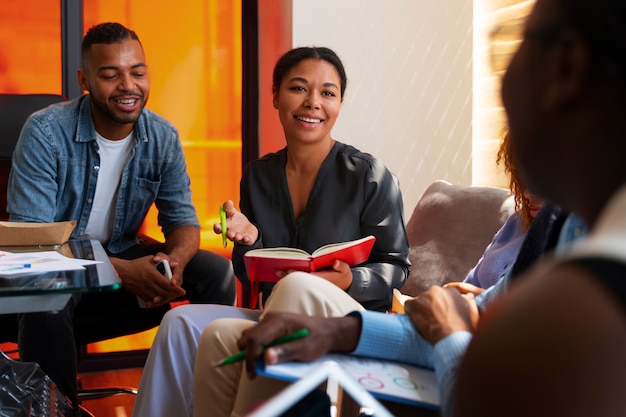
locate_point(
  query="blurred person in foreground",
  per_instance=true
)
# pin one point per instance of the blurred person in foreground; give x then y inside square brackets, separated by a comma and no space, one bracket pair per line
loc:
[564,94]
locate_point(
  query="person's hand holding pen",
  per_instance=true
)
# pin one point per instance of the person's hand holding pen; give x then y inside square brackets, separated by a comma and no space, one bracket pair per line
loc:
[241,355]
[238,227]
[338,334]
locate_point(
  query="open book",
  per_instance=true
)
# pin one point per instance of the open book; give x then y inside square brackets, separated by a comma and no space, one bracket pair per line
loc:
[262,264]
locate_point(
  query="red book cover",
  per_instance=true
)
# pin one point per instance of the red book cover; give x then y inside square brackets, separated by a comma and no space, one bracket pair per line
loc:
[262,264]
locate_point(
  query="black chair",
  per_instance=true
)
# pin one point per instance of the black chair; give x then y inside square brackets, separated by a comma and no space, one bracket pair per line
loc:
[14,110]
[89,325]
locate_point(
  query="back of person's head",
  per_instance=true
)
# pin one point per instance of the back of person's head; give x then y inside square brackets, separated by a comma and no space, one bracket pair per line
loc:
[293,57]
[602,24]
[107,33]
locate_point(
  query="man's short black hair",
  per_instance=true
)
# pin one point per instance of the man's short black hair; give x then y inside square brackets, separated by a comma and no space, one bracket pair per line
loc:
[107,33]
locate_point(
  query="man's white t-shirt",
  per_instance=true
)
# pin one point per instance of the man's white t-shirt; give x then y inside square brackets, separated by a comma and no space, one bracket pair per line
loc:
[113,156]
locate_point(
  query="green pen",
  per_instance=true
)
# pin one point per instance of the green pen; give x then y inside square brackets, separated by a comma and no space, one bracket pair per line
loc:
[223,224]
[241,355]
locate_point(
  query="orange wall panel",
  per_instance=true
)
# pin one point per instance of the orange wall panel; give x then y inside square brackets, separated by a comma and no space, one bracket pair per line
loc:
[194,56]
[30,47]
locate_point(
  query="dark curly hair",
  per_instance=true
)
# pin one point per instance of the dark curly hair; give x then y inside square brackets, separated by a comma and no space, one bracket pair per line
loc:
[522,205]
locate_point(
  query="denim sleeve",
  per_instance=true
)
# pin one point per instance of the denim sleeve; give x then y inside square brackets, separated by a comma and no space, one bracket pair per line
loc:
[392,337]
[448,354]
[33,186]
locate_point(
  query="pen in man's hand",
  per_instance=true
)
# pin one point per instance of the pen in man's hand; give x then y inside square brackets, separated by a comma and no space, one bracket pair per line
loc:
[223,224]
[241,355]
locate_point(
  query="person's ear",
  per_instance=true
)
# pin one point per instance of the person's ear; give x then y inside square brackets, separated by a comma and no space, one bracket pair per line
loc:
[570,70]
[275,98]
[82,79]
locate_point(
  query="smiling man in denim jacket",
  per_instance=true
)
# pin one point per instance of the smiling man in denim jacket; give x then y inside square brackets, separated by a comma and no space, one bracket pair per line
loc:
[103,159]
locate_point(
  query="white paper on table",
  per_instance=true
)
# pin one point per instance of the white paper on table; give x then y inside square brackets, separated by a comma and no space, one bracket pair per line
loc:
[34,262]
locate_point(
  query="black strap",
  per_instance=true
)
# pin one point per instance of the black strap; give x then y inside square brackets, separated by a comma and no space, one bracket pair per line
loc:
[610,272]
[542,236]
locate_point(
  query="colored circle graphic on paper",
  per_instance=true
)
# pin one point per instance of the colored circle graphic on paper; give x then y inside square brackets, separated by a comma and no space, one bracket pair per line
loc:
[369,382]
[405,383]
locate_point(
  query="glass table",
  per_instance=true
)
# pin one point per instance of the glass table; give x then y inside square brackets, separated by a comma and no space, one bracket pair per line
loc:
[50,291]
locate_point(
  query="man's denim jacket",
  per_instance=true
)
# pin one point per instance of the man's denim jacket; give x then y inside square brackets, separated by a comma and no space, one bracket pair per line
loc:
[56,164]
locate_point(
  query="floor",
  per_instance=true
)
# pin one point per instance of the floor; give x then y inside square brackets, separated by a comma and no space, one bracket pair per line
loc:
[116,406]
[119,405]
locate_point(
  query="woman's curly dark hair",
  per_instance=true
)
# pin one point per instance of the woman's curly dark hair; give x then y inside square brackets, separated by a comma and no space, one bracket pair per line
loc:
[522,204]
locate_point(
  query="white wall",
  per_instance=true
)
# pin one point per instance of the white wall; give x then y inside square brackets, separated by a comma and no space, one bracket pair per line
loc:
[409,95]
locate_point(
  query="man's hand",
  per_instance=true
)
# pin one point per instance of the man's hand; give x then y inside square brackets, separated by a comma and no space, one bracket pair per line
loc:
[140,277]
[338,334]
[177,271]
[239,228]
[439,312]
[181,245]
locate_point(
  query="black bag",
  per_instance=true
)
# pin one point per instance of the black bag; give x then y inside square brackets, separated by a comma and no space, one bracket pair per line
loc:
[25,391]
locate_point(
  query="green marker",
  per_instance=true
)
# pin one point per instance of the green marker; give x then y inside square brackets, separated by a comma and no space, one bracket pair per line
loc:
[223,224]
[241,355]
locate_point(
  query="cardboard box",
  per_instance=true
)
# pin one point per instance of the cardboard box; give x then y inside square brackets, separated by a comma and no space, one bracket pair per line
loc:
[32,234]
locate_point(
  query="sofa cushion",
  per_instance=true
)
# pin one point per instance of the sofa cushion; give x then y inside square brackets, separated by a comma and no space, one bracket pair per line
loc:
[449,230]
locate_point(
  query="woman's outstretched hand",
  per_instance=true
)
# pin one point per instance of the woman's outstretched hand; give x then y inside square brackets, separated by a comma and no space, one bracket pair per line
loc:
[238,227]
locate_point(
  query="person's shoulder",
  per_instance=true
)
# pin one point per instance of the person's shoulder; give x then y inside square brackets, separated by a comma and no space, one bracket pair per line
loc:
[58,112]
[270,158]
[272,155]
[358,158]
[258,168]
[351,151]
[512,227]
[152,120]
[151,117]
